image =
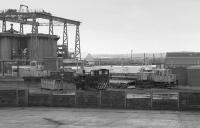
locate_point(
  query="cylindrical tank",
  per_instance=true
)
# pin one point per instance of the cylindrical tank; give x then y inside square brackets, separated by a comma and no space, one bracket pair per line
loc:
[193,76]
[10,42]
[43,46]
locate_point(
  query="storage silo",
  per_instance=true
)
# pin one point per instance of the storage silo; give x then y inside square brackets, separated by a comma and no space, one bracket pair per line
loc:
[12,45]
[194,76]
[10,42]
[43,46]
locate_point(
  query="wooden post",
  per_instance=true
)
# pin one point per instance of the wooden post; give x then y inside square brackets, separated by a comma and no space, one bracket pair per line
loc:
[75,99]
[51,99]
[3,68]
[17,95]
[151,98]
[125,105]
[26,97]
[178,100]
[100,99]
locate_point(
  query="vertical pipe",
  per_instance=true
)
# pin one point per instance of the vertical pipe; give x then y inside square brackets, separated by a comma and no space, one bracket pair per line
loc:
[21,28]
[17,68]
[4,25]
[50,27]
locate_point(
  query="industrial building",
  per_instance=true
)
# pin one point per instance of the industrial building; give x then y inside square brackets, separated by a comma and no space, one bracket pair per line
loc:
[15,44]
[182,59]
[184,65]
[193,73]
[124,59]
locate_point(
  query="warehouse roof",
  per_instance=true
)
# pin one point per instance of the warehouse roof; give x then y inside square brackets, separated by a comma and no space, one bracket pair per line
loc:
[194,67]
[183,54]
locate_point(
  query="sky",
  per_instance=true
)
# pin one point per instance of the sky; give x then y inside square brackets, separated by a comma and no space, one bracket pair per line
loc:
[119,26]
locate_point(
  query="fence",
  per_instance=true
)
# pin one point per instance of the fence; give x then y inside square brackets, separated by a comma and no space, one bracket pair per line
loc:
[104,99]
[189,101]
[13,98]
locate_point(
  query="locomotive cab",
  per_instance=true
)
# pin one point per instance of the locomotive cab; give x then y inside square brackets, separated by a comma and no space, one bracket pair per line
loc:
[95,79]
[163,76]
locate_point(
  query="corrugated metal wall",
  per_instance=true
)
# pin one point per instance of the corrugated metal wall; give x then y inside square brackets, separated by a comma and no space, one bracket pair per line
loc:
[7,43]
[45,47]
[194,77]
[10,41]
[181,75]
[182,61]
[5,48]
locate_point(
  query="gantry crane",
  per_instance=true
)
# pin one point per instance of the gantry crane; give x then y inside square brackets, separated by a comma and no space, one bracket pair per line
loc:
[26,16]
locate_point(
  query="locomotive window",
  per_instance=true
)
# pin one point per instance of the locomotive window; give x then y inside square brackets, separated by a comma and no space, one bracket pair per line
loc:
[100,72]
[15,70]
[33,64]
[92,73]
[106,72]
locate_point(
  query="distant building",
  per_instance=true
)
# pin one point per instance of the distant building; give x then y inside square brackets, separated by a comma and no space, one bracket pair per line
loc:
[123,59]
[90,60]
[182,59]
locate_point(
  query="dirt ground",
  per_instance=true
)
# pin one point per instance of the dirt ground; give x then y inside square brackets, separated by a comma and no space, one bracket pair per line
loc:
[95,118]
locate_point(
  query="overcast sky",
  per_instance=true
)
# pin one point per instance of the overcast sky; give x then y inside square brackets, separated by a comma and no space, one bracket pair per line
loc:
[117,26]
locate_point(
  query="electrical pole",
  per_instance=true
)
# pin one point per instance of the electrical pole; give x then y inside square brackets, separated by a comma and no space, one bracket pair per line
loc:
[131,54]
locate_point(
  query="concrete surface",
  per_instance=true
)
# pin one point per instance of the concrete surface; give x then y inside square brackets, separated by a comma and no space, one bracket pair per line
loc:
[95,118]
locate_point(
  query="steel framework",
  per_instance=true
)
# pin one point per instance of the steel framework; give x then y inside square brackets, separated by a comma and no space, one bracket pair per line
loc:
[65,49]
[4,25]
[30,18]
[77,53]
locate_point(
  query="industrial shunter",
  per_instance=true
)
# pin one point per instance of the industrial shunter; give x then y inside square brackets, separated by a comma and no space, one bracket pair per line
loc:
[153,78]
[94,80]
[162,78]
